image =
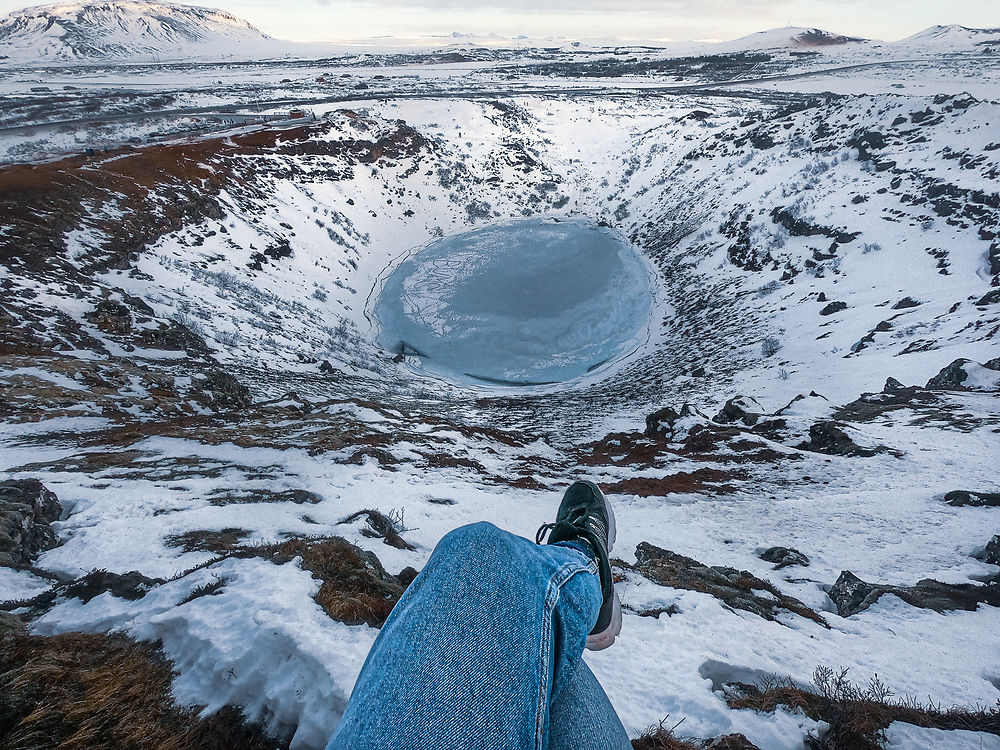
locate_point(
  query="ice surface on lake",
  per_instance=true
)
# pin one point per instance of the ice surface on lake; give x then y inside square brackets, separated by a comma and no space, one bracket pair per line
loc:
[524,302]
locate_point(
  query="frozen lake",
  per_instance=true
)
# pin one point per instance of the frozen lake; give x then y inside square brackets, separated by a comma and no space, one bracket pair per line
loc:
[520,303]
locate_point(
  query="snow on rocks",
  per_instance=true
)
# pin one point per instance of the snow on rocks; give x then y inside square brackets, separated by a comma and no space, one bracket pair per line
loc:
[27,510]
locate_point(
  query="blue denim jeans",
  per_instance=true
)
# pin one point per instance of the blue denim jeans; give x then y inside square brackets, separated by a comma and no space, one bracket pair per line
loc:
[484,651]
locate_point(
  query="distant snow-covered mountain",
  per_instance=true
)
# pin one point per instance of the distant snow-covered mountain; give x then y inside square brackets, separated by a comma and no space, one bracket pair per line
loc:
[790,37]
[953,37]
[129,30]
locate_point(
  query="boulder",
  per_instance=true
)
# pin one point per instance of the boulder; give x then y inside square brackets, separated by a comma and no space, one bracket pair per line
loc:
[990,298]
[174,336]
[852,595]
[828,437]
[991,554]
[782,557]
[962,498]
[27,508]
[675,425]
[222,391]
[892,386]
[131,586]
[965,375]
[906,303]
[661,420]
[740,409]
[737,589]
[833,307]
[111,317]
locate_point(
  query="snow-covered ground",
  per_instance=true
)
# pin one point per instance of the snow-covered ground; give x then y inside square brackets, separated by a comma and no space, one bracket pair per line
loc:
[808,234]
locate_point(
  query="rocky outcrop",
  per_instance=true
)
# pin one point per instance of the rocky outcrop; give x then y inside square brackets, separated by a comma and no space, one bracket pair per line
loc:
[965,375]
[743,409]
[672,423]
[972,499]
[991,554]
[737,589]
[27,509]
[852,595]
[223,391]
[782,557]
[132,586]
[829,437]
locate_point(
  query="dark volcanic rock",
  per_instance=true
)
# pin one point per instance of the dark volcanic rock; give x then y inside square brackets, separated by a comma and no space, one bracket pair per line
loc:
[833,307]
[664,421]
[955,377]
[174,337]
[782,557]
[990,298]
[991,554]
[132,585]
[26,510]
[242,496]
[892,386]
[661,420]
[740,409]
[223,391]
[894,395]
[852,595]
[906,303]
[960,498]
[735,588]
[829,438]
[111,317]
[950,378]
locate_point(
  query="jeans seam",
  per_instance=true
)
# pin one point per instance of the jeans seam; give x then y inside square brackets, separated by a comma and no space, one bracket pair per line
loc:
[556,582]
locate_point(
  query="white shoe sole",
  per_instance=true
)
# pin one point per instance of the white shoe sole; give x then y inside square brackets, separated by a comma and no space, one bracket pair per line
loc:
[600,641]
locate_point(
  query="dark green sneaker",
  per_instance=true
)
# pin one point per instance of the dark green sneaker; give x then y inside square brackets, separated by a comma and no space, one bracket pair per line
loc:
[585,516]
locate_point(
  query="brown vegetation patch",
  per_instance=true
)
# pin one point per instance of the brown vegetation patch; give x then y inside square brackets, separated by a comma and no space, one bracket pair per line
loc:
[858,716]
[84,692]
[356,588]
[661,737]
[712,481]
[726,445]
[205,540]
[734,588]
[157,189]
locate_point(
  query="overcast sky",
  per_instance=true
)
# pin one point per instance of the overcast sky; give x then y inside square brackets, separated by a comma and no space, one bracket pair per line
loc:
[342,20]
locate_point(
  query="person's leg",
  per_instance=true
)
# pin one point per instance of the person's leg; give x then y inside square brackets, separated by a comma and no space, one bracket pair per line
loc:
[582,717]
[482,643]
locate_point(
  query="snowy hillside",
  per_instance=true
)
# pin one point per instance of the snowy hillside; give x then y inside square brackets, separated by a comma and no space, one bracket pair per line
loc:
[127,30]
[953,38]
[790,37]
[210,456]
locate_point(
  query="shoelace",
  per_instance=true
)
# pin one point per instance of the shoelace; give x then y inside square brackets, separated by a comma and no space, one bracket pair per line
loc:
[544,529]
[574,519]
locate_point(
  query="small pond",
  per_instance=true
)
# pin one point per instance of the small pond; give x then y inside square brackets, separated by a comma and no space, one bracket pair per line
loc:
[520,303]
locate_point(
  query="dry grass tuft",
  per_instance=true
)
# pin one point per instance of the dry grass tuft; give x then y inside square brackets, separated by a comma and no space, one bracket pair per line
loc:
[356,588]
[661,737]
[858,715]
[85,692]
[205,540]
